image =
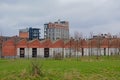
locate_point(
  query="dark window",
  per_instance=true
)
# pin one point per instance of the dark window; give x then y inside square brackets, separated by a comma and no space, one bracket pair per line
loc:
[104,51]
[22,52]
[34,52]
[46,52]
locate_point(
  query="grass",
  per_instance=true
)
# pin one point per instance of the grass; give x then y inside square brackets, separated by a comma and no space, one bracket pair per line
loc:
[83,68]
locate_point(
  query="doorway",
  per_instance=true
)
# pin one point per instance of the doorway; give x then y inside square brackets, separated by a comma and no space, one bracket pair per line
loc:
[104,51]
[34,52]
[22,52]
[82,51]
[46,52]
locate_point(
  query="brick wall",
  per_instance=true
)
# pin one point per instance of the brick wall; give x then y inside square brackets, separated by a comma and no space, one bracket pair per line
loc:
[24,35]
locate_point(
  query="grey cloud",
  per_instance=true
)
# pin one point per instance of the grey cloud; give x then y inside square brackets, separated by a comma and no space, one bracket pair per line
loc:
[83,15]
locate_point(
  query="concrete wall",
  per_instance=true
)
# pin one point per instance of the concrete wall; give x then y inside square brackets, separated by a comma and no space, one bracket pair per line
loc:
[40,52]
[18,52]
[67,51]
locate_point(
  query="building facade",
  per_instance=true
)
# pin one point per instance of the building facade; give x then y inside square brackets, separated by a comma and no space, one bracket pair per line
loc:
[56,30]
[24,33]
[24,48]
[2,40]
[30,33]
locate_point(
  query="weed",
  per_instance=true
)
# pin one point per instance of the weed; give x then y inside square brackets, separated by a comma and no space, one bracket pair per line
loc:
[36,68]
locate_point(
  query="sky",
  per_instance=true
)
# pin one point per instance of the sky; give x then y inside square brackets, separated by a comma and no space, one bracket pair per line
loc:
[84,16]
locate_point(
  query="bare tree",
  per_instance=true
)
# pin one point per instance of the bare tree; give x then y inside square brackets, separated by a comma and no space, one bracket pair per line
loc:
[109,43]
[116,46]
[1,42]
[90,43]
[118,40]
[104,43]
[15,44]
[89,46]
[78,44]
[62,48]
[81,46]
[76,37]
[27,48]
[98,44]
[71,46]
[81,41]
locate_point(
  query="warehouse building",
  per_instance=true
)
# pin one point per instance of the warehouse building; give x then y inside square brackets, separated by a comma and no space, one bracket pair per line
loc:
[23,48]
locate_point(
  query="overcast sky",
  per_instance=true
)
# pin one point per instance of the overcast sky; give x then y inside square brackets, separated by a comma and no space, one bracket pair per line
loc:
[85,16]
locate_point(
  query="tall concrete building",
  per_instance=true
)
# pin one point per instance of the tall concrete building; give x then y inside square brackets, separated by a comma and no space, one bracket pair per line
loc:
[30,33]
[56,30]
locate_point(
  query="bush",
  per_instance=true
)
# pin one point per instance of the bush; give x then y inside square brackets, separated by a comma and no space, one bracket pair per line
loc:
[36,68]
[57,56]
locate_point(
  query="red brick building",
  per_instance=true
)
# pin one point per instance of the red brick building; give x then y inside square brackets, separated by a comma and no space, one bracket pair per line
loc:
[15,47]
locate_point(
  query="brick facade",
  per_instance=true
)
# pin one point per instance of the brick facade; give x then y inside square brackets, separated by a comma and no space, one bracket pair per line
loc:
[80,47]
[24,34]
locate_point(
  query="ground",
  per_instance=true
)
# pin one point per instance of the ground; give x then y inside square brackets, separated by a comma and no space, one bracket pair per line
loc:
[83,68]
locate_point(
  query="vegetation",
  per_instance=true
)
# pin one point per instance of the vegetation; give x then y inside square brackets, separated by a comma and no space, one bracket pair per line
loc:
[83,68]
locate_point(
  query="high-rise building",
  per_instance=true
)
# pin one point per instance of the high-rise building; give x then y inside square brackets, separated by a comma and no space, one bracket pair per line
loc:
[56,30]
[30,33]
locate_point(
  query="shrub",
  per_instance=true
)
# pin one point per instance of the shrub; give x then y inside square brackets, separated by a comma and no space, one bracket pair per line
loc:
[36,68]
[58,56]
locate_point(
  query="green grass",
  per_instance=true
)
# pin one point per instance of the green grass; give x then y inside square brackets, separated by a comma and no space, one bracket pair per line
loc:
[83,68]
